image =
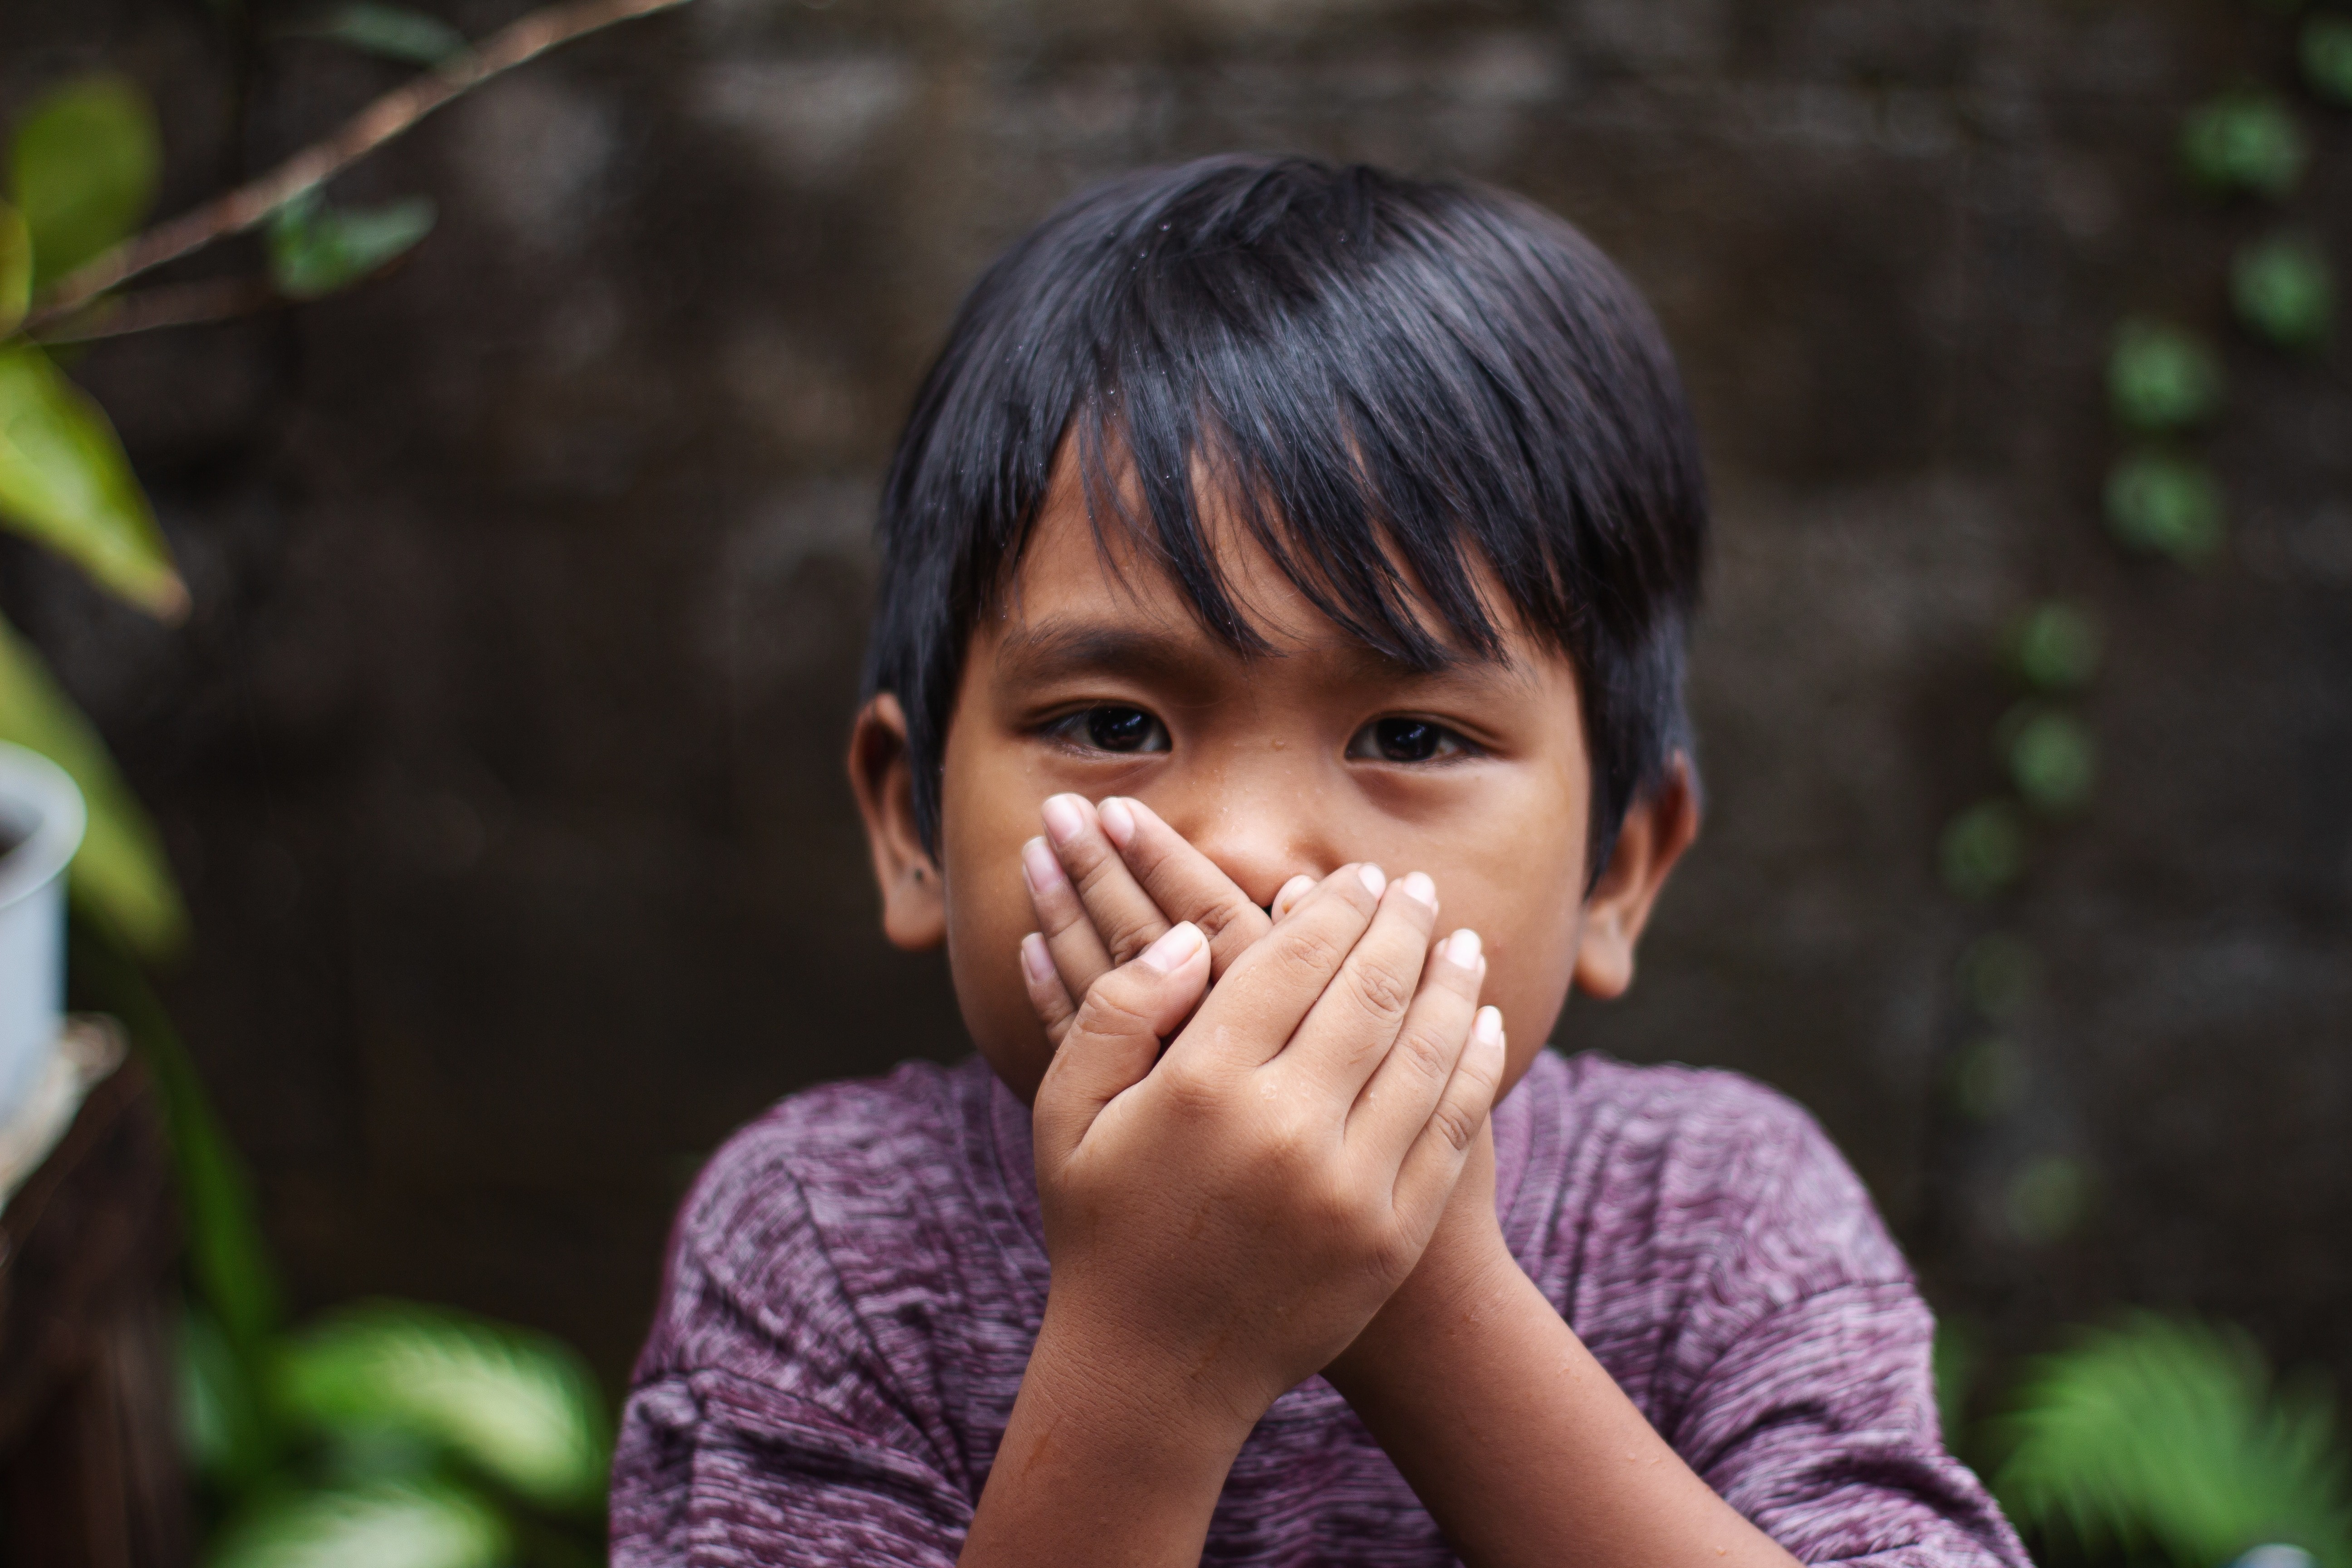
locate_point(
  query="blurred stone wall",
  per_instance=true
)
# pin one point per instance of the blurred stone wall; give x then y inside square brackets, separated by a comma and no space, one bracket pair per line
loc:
[501,756]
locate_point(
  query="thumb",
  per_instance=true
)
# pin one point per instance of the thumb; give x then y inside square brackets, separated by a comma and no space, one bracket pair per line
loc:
[1116,1037]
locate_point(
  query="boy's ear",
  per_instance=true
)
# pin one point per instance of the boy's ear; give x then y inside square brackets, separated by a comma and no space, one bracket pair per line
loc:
[881,772]
[1658,829]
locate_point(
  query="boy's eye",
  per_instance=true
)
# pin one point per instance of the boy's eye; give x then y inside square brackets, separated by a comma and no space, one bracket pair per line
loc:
[1404,741]
[1115,727]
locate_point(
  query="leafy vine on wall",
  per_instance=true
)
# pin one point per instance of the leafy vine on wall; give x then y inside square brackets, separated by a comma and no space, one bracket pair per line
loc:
[2157,1436]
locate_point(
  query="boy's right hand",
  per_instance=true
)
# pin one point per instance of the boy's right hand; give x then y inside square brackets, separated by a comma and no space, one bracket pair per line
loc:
[1224,1218]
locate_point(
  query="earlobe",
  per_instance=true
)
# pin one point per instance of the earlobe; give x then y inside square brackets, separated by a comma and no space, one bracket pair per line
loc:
[1657,829]
[881,775]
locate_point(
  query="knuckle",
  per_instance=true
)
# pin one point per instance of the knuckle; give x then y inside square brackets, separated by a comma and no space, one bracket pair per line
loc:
[1226,916]
[1426,1056]
[1455,1123]
[1311,952]
[1384,986]
[1112,1009]
[1188,1088]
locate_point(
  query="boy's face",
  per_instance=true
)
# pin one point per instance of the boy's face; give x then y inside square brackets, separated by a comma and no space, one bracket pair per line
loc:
[1094,677]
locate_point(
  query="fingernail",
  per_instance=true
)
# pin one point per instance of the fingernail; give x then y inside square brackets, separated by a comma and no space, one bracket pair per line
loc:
[1064,820]
[1036,959]
[1419,890]
[1289,894]
[1375,879]
[1175,945]
[1039,869]
[1117,820]
[1488,1029]
[1462,950]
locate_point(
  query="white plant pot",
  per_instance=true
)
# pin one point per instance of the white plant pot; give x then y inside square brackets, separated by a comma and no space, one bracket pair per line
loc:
[41,813]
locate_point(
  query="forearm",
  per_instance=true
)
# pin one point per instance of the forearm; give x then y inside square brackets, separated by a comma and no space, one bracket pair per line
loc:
[1098,1466]
[1520,1444]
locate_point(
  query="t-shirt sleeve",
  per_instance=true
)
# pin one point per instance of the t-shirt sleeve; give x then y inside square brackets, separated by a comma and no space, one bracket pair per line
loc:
[1796,1380]
[764,1425]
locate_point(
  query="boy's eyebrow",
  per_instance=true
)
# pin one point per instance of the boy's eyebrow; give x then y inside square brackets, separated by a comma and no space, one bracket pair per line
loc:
[1062,647]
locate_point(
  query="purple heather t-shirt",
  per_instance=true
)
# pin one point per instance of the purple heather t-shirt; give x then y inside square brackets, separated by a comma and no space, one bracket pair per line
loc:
[854,1284]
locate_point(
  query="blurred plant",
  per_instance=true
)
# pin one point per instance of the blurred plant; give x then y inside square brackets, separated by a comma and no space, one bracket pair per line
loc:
[2244,140]
[387,1433]
[2167,1436]
[2053,761]
[2326,51]
[2056,646]
[2165,505]
[1984,849]
[2161,379]
[2165,387]
[390,1431]
[2283,291]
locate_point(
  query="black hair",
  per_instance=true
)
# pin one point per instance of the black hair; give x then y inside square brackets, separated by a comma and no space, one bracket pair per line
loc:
[1390,379]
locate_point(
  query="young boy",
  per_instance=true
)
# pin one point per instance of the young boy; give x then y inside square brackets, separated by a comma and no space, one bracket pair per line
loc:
[1263,525]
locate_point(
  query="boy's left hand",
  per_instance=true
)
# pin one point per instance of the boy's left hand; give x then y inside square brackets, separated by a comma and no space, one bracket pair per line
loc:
[1113,878]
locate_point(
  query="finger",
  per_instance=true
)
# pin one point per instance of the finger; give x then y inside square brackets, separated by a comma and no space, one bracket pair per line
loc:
[1435,1162]
[1396,1102]
[1115,1038]
[1351,1028]
[1069,935]
[1259,1005]
[1286,900]
[1182,882]
[1046,992]
[1124,917]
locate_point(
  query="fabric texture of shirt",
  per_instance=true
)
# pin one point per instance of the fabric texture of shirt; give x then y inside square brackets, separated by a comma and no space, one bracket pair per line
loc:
[855,1281]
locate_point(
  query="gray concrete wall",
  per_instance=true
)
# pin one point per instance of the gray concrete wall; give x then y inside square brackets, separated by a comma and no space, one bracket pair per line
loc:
[501,755]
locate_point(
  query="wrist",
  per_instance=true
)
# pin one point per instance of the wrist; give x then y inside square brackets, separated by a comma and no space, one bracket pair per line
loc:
[1460,1291]
[1134,1400]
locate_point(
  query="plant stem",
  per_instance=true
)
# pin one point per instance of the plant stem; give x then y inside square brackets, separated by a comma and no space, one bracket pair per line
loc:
[171,305]
[379,122]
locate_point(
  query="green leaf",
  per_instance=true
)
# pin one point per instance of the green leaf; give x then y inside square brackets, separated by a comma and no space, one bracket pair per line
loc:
[2282,289]
[392,32]
[2057,645]
[2053,759]
[120,874]
[223,1427]
[83,171]
[2326,53]
[315,249]
[2166,506]
[518,1408]
[15,269]
[65,483]
[390,1525]
[2168,1434]
[2244,141]
[228,1258]
[2161,378]
[1983,850]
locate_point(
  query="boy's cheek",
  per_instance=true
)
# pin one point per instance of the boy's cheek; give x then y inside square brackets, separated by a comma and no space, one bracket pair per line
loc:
[988,914]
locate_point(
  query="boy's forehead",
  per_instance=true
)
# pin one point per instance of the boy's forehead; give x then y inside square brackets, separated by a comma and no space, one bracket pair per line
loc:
[1085,595]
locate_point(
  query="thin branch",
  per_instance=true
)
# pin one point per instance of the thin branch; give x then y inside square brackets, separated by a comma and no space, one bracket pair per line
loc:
[378,123]
[171,305]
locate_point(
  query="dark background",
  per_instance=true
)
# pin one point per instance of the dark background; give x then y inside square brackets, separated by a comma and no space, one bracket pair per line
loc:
[501,755]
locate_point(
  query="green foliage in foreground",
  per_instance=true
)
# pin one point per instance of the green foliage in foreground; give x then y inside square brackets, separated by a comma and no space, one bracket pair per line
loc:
[401,1433]
[2167,1437]
[384,1435]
